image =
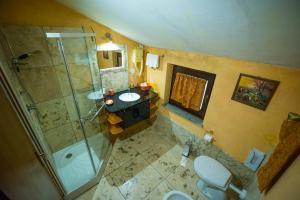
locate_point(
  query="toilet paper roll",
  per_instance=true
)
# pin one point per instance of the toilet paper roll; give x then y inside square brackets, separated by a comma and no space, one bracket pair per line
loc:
[208,138]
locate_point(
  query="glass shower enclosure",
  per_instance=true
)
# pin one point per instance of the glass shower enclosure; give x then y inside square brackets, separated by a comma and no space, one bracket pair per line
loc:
[54,74]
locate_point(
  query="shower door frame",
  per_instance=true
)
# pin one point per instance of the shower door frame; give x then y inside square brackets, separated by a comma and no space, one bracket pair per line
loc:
[61,48]
[39,151]
[98,172]
[21,113]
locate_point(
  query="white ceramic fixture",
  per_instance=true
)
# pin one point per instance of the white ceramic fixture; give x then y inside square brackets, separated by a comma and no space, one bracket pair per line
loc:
[95,95]
[176,195]
[212,171]
[214,179]
[129,96]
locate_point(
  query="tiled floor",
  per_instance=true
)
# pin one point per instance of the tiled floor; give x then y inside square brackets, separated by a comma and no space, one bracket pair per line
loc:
[145,166]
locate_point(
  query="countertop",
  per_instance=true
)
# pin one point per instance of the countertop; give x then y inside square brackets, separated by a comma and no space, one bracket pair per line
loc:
[122,105]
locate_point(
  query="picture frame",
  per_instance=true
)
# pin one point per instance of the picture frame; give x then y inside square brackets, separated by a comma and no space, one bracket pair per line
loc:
[254,91]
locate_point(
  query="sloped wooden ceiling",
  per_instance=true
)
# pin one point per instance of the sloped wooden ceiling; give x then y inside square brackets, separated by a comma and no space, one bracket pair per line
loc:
[266,31]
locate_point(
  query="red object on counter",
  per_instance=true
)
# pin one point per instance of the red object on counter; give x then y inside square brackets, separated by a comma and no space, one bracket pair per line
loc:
[109,102]
[146,88]
[110,92]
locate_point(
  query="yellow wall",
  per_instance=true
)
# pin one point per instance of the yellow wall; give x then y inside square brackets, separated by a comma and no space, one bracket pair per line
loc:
[237,127]
[51,13]
[287,187]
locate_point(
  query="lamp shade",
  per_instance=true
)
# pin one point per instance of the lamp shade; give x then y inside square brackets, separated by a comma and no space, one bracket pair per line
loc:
[109,46]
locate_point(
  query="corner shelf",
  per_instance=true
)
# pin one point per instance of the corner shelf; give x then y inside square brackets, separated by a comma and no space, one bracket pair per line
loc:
[113,121]
[115,129]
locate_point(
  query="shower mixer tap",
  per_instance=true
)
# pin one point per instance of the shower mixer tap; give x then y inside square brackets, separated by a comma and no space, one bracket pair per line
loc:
[16,61]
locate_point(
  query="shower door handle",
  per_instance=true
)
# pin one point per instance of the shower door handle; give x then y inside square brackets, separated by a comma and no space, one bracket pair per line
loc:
[93,117]
[97,112]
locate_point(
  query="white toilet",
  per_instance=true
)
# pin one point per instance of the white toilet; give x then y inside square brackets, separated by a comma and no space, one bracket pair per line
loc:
[214,179]
[176,195]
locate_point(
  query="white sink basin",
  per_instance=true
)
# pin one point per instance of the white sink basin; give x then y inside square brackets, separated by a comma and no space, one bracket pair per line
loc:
[95,95]
[129,96]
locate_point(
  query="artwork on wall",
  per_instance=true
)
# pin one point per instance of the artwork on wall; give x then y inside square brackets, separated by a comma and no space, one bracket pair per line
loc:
[254,91]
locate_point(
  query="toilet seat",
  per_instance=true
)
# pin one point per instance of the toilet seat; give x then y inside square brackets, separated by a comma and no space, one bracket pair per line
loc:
[212,172]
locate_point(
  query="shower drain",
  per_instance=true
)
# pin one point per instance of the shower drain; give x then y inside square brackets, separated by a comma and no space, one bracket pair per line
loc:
[69,155]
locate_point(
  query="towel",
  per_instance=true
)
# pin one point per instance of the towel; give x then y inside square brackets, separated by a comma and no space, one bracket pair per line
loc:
[283,155]
[152,60]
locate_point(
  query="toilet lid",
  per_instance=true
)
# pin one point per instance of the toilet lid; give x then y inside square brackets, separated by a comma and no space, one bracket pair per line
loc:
[212,171]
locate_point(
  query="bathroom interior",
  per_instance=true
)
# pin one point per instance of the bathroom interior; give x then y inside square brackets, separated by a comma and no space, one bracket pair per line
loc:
[156,100]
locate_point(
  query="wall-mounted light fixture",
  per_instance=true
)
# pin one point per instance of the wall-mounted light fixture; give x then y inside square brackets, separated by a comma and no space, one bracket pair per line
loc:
[109,46]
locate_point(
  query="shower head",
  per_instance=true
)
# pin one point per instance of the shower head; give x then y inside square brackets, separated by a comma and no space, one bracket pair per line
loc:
[26,55]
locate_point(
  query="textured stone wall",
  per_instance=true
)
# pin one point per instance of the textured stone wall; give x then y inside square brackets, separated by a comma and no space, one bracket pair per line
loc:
[118,80]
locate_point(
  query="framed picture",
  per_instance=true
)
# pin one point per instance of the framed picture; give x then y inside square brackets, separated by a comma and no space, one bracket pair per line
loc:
[105,55]
[254,91]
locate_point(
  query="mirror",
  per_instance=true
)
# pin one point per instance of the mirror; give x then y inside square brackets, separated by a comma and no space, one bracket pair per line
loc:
[112,59]
[109,59]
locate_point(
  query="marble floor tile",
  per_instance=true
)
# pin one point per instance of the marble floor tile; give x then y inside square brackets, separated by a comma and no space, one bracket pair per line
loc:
[149,164]
[187,163]
[123,152]
[111,166]
[166,164]
[144,140]
[159,192]
[156,151]
[128,171]
[184,180]
[139,186]
[88,195]
[107,191]
[167,136]
[176,151]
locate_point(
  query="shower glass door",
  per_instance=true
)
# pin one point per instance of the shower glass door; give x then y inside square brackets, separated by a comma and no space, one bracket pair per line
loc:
[54,73]
[86,87]
[83,94]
